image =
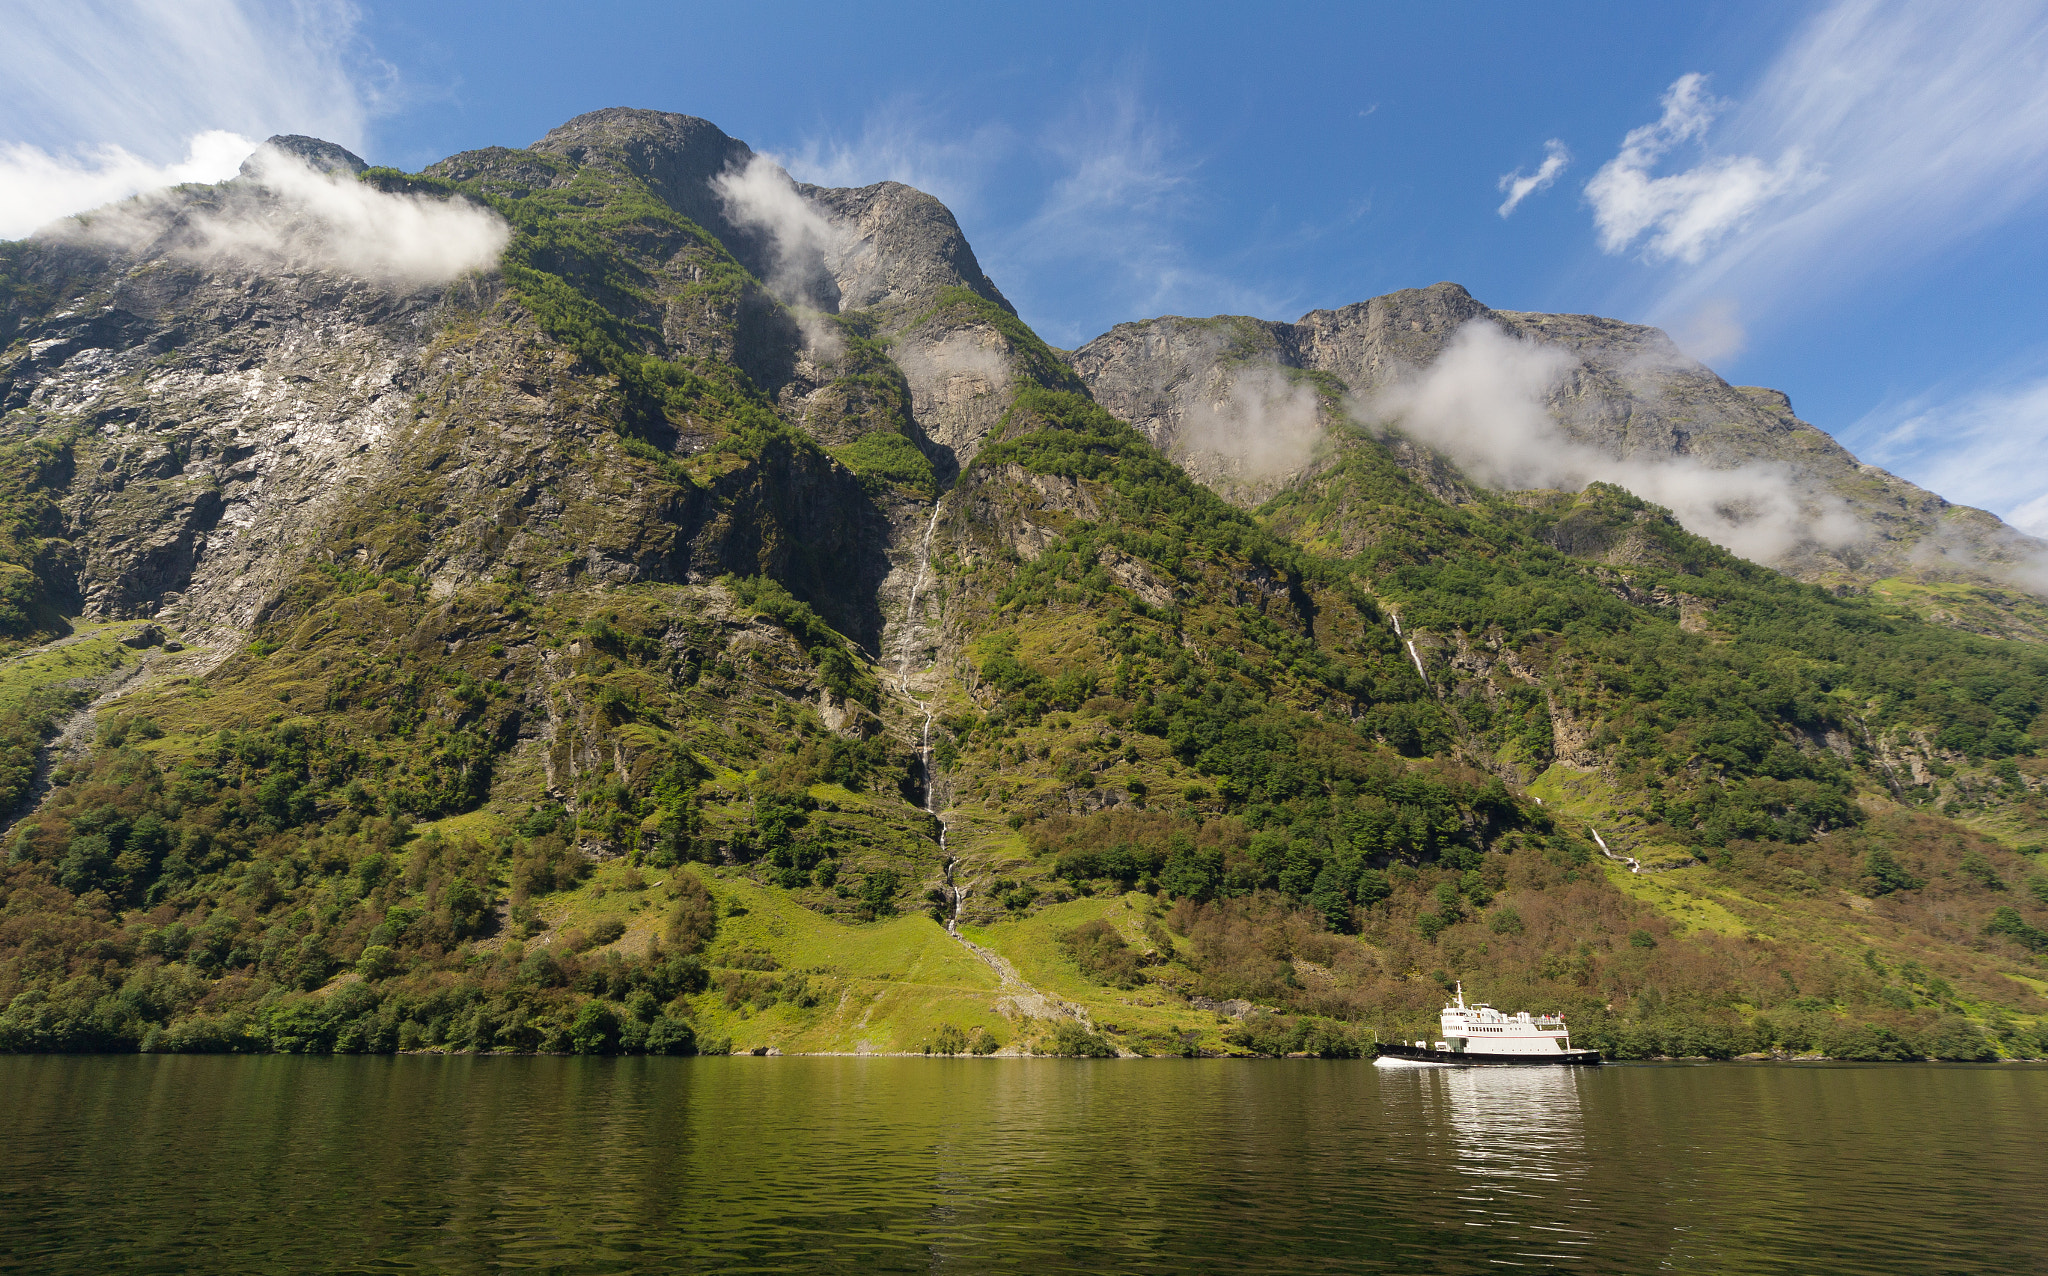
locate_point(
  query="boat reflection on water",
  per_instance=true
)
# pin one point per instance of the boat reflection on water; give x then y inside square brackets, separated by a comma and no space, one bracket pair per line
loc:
[1514,1143]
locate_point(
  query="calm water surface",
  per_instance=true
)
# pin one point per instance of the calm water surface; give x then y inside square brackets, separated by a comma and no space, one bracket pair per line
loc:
[177,1164]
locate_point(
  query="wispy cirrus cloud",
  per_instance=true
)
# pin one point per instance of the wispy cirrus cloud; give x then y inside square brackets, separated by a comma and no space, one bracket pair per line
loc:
[103,100]
[1518,186]
[1980,447]
[1898,129]
[905,140]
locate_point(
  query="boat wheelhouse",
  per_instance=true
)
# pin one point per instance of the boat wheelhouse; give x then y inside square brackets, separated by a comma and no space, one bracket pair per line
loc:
[1481,1034]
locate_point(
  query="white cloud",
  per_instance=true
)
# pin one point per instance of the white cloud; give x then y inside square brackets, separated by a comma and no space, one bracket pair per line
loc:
[37,188]
[1265,427]
[800,236]
[288,215]
[102,101]
[1519,186]
[1983,448]
[1485,404]
[897,143]
[149,77]
[1929,122]
[1684,214]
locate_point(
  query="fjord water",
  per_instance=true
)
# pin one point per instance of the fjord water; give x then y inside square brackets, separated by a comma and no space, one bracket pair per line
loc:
[166,1163]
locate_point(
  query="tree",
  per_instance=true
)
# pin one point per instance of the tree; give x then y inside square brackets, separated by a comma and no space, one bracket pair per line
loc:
[1191,873]
[595,1030]
[1883,874]
[669,1035]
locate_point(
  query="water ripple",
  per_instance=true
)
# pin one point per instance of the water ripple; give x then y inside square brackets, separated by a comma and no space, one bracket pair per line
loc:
[892,1165]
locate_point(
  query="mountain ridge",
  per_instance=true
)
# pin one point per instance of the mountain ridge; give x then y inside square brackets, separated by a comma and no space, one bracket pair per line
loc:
[1628,393]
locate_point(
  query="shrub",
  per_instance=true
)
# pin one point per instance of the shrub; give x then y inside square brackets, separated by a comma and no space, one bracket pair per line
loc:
[878,892]
[1102,954]
[693,923]
[2007,922]
[1071,1040]
[1977,867]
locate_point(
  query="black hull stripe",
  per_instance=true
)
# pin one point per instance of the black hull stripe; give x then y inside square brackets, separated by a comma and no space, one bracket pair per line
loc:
[1565,1058]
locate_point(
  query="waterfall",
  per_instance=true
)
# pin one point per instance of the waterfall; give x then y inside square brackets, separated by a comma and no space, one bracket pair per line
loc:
[1634,866]
[1418,667]
[954,892]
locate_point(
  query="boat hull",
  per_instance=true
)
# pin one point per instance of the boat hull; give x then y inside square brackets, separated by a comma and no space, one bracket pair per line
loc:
[1474,1058]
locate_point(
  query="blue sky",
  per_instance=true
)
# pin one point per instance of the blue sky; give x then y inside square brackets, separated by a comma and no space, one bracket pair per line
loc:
[1846,201]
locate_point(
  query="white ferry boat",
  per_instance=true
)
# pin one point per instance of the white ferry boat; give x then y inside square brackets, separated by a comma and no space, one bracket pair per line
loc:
[1482,1035]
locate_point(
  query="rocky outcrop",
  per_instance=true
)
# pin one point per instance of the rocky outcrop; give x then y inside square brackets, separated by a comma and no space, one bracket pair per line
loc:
[901,248]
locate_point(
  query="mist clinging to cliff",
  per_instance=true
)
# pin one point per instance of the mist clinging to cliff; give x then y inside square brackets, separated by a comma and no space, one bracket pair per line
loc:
[286,214]
[1266,426]
[1485,404]
[801,241]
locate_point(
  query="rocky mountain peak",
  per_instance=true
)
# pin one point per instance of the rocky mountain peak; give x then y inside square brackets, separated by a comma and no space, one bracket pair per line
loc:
[902,247]
[320,156]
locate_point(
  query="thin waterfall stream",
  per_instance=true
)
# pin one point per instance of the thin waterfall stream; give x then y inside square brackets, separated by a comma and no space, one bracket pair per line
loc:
[1634,865]
[954,892]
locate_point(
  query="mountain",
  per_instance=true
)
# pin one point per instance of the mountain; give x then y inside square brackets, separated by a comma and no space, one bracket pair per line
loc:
[1603,399]
[606,596]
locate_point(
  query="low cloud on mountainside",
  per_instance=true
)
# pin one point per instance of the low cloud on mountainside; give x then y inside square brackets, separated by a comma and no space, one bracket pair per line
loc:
[37,188]
[802,241]
[289,215]
[1484,404]
[1265,427]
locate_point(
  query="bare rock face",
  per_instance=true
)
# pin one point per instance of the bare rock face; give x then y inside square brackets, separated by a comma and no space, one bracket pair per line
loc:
[222,421]
[320,156]
[213,421]
[1226,398]
[902,248]
[1625,391]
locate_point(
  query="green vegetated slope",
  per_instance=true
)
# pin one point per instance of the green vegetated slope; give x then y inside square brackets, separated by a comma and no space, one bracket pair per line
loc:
[1839,792]
[574,734]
